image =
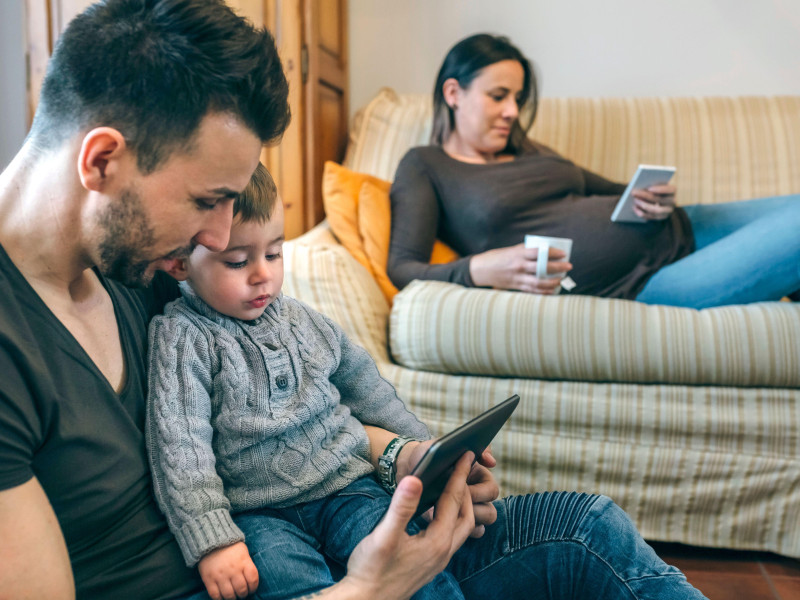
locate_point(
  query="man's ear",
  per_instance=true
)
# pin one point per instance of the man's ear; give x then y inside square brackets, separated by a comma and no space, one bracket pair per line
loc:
[450,91]
[99,158]
[178,269]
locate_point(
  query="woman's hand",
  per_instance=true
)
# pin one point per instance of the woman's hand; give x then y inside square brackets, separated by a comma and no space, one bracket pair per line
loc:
[656,203]
[514,268]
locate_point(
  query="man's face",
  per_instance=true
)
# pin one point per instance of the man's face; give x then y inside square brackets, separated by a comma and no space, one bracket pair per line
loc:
[160,217]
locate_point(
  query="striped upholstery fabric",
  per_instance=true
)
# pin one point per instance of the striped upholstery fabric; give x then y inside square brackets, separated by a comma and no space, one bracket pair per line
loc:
[703,465]
[448,328]
[710,465]
[724,148]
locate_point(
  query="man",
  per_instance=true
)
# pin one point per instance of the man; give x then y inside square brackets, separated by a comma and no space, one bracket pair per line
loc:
[151,118]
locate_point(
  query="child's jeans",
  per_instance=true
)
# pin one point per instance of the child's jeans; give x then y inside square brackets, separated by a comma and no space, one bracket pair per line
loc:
[292,546]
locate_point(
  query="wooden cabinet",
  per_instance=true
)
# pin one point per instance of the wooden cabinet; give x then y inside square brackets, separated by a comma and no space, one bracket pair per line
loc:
[311,36]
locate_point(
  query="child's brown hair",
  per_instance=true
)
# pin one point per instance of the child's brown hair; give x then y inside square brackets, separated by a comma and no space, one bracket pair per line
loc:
[257,200]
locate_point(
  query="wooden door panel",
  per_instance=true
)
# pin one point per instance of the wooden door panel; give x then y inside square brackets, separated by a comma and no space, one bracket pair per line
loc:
[330,27]
[325,94]
[286,161]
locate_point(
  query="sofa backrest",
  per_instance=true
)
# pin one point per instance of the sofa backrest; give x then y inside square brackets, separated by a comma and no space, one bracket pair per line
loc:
[724,148]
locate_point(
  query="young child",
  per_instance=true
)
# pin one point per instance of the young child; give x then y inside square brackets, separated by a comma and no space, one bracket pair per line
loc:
[254,417]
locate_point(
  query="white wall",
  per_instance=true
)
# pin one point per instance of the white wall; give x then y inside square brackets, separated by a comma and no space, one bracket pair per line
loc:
[587,47]
[13,125]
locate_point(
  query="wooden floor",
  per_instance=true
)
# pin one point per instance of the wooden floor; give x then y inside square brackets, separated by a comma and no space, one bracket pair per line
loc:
[735,575]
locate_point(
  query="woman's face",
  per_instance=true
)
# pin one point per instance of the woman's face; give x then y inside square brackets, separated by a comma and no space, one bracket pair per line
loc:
[485,110]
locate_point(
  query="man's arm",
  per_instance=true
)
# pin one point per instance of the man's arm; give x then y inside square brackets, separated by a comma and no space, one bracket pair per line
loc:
[33,555]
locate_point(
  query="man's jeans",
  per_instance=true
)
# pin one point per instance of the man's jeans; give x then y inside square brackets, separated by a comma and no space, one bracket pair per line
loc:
[553,545]
[564,545]
[746,252]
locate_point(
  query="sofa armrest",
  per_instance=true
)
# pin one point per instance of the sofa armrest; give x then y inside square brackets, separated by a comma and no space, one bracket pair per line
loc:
[326,277]
[447,328]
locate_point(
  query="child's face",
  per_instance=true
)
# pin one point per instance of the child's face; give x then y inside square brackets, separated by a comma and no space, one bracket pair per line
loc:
[242,280]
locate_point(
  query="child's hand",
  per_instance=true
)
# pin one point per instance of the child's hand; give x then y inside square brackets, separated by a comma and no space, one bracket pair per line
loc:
[229,573]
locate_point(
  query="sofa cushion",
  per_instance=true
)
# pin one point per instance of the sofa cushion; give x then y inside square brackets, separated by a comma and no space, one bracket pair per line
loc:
[375,224]
[448,328]
[725,149]
[359,213]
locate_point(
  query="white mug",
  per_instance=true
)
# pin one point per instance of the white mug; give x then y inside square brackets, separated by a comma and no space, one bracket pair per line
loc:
[544,243]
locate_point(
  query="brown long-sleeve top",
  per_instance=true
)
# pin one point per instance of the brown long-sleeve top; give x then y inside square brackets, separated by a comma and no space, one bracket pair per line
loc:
[479,207]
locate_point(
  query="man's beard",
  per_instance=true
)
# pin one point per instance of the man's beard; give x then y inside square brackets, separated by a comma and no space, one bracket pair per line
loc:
[127,236]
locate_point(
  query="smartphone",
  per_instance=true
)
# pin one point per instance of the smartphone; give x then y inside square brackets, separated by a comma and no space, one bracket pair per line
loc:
[645,176]
[438,463]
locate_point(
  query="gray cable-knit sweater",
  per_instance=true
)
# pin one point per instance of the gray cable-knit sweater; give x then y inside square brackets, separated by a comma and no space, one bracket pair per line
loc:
[250,414]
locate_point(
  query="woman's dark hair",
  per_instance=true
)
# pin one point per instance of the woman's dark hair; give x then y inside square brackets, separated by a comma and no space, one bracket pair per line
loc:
[463,63]
[153,69]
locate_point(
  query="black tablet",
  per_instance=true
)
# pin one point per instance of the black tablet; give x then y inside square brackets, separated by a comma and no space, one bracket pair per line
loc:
[435,467]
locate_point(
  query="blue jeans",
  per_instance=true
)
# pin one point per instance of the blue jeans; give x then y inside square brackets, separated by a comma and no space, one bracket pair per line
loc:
[557,546]
[745,252]
[296,548]
[564,545]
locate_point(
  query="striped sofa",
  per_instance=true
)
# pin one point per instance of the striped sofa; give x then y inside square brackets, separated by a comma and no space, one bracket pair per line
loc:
[690,420]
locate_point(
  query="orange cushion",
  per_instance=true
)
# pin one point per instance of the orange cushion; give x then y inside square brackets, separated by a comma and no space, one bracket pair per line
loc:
[340,188]
[359,212]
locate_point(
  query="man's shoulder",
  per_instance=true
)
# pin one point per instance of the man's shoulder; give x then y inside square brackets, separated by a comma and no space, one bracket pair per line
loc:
[24,317]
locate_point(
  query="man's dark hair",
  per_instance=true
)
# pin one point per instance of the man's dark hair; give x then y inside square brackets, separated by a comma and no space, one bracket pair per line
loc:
[153,69]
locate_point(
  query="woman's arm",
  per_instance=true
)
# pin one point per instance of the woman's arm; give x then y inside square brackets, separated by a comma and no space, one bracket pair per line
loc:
[415,224]
[597,185]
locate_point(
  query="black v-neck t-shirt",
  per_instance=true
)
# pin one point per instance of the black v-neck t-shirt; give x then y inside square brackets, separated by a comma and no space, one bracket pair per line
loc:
[62,422]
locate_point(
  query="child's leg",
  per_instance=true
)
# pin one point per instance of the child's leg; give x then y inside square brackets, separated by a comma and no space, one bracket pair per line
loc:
[288,558]
[350,515]
[747,252]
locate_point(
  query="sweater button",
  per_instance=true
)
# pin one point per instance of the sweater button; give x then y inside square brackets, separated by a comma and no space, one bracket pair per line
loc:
[282,381]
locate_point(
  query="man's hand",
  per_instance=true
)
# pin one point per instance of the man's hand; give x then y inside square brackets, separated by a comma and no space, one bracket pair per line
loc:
[481,483]
[389,563]
[229,573]
[484,491]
